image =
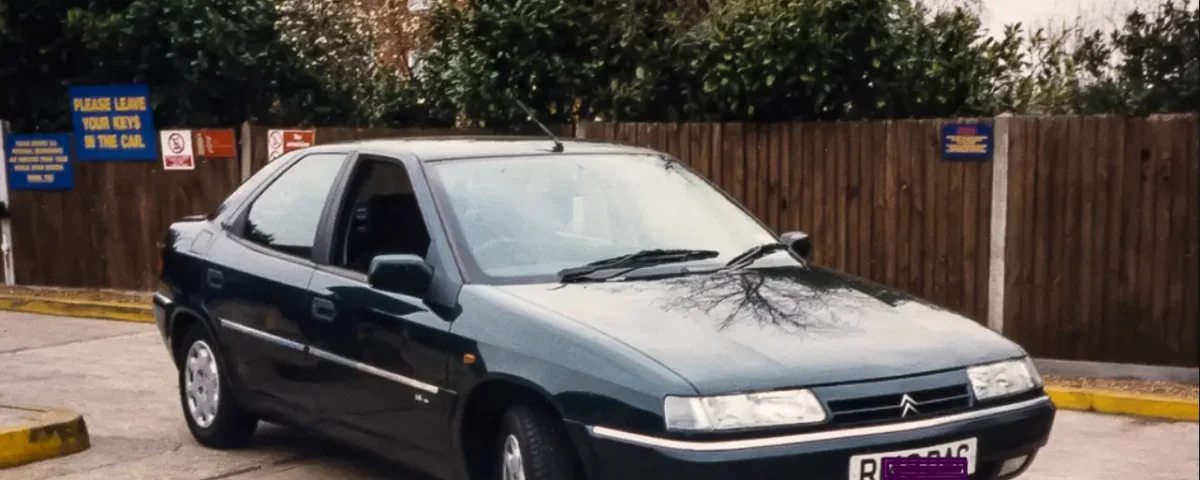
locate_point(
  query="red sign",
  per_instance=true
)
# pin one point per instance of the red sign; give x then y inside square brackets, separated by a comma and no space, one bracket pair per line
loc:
[215,143]
[280,142]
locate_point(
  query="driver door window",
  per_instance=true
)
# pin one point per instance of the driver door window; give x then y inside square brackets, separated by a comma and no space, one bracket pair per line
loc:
[380,216]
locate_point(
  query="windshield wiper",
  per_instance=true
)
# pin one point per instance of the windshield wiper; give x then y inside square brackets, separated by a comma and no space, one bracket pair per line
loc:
[754,253]
[635,261]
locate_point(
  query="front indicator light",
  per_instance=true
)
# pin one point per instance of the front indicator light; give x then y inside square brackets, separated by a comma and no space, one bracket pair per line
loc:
[752,410]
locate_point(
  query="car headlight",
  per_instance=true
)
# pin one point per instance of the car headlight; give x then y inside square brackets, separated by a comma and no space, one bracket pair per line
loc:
[731,412]
[1003,378]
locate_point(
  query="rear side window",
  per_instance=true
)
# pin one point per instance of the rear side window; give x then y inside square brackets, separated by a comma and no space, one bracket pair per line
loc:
[239,195]
[285,216]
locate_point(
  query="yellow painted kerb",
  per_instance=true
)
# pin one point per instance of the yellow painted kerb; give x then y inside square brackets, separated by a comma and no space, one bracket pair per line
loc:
[43,433]
[1124,403]
[128,312]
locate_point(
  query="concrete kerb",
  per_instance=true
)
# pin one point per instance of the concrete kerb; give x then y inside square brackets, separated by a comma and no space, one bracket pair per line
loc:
[1122,403]
[129,312]
[29,434]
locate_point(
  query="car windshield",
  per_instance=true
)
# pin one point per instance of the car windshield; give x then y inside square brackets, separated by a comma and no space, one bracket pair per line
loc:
[534,216]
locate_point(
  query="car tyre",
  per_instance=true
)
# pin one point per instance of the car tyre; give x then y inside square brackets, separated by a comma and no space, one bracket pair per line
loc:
[533,445]
[212,414]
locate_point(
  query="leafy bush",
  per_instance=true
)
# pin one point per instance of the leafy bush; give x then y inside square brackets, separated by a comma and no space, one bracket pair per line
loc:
[1151,64]
[716,60]
[207,62]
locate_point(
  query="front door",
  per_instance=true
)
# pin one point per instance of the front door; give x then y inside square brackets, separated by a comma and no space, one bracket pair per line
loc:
[386,352]
[257,278]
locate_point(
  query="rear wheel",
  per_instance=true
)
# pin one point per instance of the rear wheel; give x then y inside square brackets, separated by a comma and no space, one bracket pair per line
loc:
[533,445]
[213,416]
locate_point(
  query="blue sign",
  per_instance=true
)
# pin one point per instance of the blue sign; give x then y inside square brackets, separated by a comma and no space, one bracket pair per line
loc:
[39,162]
[967,141]
[113,123]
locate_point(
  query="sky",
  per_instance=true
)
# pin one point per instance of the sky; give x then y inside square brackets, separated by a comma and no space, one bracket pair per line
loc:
[1094,13]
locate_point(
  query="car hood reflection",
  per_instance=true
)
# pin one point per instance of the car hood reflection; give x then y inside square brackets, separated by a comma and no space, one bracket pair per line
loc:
[774,328]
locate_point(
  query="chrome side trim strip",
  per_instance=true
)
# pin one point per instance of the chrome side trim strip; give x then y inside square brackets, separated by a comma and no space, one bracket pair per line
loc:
[378,372]
[717,446]
[338,359]
[261,335]
[162,299]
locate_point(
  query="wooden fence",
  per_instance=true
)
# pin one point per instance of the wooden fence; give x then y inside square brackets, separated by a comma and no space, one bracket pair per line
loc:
[870,194]
[1099,235]
[1100,249]
[106,232]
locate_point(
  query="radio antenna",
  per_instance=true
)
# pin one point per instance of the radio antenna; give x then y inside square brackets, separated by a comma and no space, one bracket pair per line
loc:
[558,146]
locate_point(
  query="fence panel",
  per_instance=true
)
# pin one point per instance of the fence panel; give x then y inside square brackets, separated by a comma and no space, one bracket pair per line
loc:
[106,232]
[1101,262]
[876,197]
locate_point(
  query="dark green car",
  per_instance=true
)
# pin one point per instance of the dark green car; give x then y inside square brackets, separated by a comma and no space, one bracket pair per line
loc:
[526,309]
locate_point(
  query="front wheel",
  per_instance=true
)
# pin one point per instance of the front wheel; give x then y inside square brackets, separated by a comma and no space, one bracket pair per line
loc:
[214,418]
[534,446]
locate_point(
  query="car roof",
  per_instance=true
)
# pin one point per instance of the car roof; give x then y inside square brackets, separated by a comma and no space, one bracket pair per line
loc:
[446,148]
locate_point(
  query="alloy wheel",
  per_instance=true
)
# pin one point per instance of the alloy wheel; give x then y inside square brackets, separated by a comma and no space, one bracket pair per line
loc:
[514,467]
[202,383]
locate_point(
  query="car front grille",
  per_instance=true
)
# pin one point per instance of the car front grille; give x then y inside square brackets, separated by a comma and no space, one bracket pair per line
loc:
[921,403]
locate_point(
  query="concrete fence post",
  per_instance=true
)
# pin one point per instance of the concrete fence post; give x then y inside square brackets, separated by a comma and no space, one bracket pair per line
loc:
[999,224]
[5,206]
[246,160]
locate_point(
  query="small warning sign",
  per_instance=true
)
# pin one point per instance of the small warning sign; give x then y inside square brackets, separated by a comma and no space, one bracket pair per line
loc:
[280,142]
[215,143]
[177,153]
[967,141]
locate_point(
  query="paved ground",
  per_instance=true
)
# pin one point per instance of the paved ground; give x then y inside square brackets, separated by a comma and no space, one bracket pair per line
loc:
[118,375]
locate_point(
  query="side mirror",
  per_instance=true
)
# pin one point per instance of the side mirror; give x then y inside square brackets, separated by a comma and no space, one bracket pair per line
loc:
[405,273]
[799,243]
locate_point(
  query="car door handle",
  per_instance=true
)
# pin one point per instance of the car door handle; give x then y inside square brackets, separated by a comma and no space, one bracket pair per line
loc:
[215,278]
[323,309]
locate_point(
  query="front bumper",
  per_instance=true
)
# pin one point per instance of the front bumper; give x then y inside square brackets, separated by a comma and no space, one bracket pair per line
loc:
[1003,432]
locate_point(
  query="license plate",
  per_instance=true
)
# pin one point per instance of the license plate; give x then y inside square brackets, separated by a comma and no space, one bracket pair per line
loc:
[867,467]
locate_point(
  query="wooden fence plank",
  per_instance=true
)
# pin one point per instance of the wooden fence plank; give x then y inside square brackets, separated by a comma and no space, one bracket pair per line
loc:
[983,225]
[751,183]
[1091,233]
[855,235]
[919,190]
[1114,193]
[820,179]
[969,245]
[1067,237]
[1190,136]
[784,182]
[1160,175]
[1177,241]
[898,156]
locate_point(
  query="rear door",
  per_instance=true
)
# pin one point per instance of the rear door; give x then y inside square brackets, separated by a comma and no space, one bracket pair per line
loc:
[257,277]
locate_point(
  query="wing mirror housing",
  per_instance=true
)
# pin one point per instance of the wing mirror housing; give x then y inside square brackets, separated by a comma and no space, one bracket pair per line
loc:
[400,273]
[799,243]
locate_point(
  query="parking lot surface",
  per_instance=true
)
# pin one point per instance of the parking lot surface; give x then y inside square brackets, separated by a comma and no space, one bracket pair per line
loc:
[118,375]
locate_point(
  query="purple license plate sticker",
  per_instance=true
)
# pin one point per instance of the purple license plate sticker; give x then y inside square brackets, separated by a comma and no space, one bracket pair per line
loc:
[923,468]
